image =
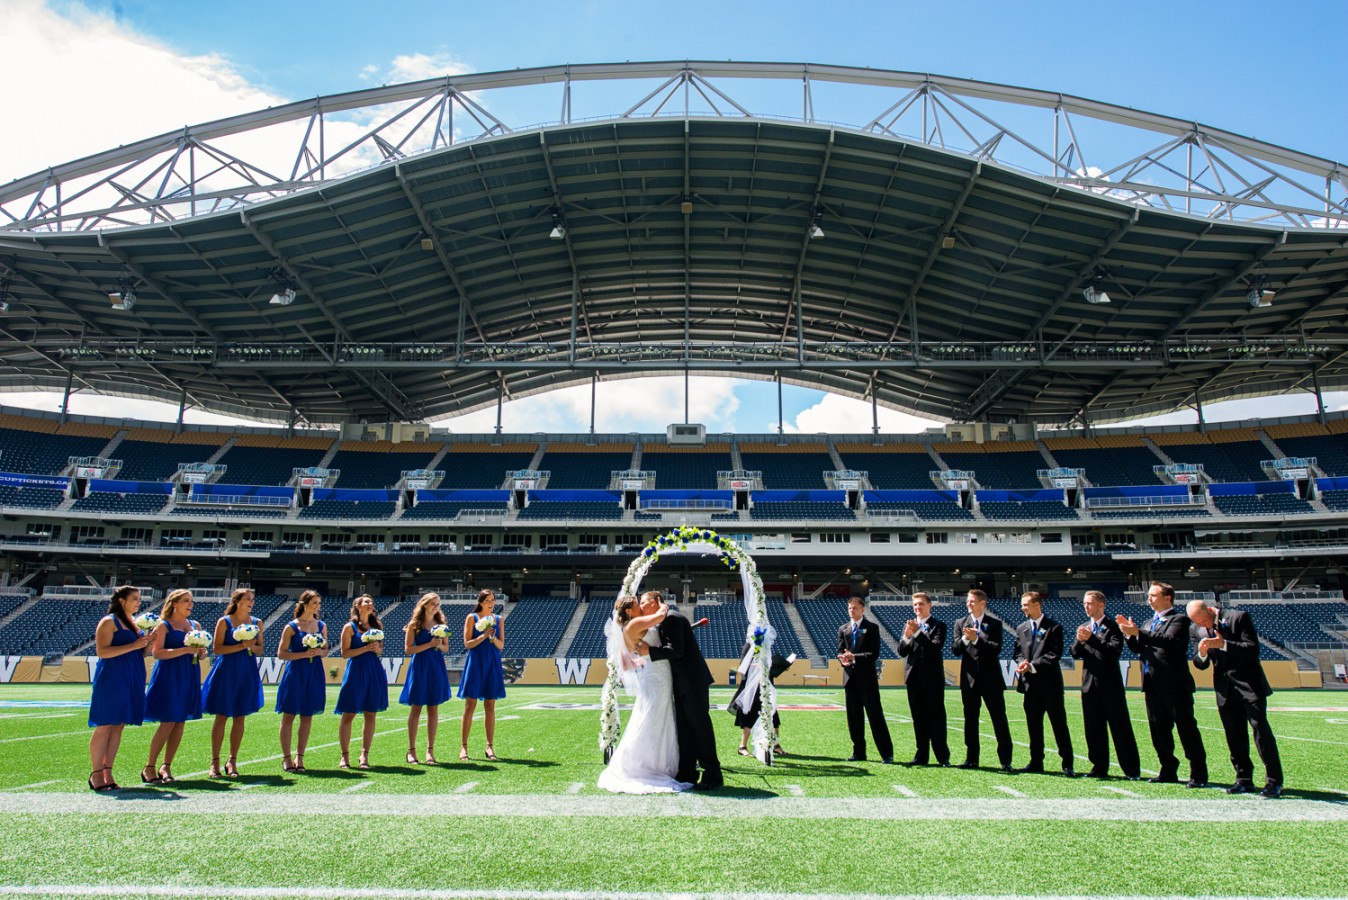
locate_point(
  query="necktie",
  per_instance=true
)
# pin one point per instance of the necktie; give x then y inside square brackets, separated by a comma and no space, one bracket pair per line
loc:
[1034,638]
[855,629]
[1095,627]
[1156,620]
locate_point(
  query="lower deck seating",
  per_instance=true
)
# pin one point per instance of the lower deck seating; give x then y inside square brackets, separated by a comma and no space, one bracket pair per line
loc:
[935,510]
[822,619]
[31,497]
[770,510]
[428,509]
[1030,509]
[103,501]
[536,624]
[349,509]
[572,509]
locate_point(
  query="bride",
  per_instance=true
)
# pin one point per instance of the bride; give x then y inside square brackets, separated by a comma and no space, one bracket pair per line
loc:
[648,753]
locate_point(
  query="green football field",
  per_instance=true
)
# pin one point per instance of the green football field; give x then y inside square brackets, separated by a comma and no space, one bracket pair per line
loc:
[534,825]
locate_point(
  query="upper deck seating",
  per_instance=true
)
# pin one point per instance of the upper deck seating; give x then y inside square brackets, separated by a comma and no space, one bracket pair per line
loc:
[687,469]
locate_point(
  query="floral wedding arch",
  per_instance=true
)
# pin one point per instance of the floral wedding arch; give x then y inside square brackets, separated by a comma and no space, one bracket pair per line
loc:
[759,634]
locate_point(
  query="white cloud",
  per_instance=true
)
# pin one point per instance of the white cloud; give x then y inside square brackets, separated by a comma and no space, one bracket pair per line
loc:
[645,405]
[420,66]
[835,414]
[117,408]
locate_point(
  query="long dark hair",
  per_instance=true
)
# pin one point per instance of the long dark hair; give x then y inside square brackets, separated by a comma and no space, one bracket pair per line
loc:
[304,601]
[374,614]
[234,598]
[482,597]
[624,606]
[118,611]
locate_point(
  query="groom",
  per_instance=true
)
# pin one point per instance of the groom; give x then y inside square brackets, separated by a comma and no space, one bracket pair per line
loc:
[692,721]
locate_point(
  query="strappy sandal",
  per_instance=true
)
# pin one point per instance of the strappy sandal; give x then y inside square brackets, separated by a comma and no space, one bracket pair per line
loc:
[430,757]
[463,754]
[345,762]
[299,763]
[92,786]
[287,765]
[232,767]
[110,785]
[490,753]
[144,780]
[166,774]
[412,756]
[742,751]
[215,768]
[364,760]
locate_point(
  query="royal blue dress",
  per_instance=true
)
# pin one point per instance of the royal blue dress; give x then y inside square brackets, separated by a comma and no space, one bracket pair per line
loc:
[233,686]
[119,684]
[174,694]
[483,678]
[365,683]
[302,690]
[427,681]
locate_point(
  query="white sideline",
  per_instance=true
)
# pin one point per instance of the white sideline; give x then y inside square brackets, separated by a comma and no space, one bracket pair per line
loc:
[1011,791]
[159,890]
[476,805]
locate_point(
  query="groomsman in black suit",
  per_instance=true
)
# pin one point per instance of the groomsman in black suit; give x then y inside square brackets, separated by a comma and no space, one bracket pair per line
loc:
[924,677]
[859,651]
[1228,642]
[978,643]
[1037,652]
[1104,706]
[1168,685]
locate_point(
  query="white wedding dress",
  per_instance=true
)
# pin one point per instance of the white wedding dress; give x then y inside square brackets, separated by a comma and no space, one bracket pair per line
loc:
[648,751]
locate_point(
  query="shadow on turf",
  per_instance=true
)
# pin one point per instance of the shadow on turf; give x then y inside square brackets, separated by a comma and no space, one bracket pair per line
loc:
[1318,796]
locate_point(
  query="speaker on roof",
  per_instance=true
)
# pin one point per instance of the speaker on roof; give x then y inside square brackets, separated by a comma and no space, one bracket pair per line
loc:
[694,435]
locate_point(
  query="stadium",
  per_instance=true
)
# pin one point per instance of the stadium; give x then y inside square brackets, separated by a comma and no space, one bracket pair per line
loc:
[1032,268]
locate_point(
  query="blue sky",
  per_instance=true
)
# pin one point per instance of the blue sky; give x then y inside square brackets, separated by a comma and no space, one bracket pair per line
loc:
[1254,68]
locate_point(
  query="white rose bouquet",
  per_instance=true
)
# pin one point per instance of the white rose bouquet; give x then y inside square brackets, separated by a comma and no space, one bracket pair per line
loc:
[245,632]
[440,630]
[486,624]
[374,634]
[197,638]
[314,641]
[147,622]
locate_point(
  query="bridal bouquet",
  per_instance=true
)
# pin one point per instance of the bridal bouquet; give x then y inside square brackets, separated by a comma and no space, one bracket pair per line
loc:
[147,622]
[314,641]
[374,634]
[440,630]
[245,632]
[197,638]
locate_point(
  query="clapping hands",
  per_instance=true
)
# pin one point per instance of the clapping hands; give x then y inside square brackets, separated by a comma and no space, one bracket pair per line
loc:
[1127,626]
[911,627]
[1083,633]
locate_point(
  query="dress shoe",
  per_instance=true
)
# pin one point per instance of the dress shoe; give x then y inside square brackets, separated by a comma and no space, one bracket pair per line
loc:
[1069,772]
[1195,783]
[888,760]
[1163,779]
[1271,791]
[967,764]
[1241,787]
[1007,769]
[705,785]
[916,762]
[1097,773]
[1133,777]
[944,764]
[855,758]
[1032,769]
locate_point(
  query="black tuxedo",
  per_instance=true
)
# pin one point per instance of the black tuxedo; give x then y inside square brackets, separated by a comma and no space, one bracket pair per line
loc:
[1242,695]
[692,720]
[1104,705]
[924,678]
[861,687]
[1041,647]
[982,683]
[1168,686]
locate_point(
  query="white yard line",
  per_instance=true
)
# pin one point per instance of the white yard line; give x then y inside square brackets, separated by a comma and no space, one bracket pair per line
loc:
[905,791]
[321,893]
[358,786]
[465,787]
[36,784]
[474,805]
[1118,790]
[1011,791]
[794,790]
[37,737]
[276,756]
[35,718]
[575,787]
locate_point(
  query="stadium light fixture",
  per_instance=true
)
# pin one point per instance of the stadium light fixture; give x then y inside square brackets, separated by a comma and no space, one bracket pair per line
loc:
[1259,296]
[948,241]
[1093,292]
[558,225]
[4,292]
[124,298]
[285,288]
[815,230]
[427,243]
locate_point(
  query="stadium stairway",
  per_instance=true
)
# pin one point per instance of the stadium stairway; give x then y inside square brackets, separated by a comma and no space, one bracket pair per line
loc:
[571,630]
[332,451]
[812,650]
[224,448]
[833,454]
[1156,448]
[111,446]
[1046,453]
[20,610]
[1272,448]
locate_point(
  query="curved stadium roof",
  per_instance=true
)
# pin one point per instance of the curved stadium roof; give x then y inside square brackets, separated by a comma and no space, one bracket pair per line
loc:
[932,256]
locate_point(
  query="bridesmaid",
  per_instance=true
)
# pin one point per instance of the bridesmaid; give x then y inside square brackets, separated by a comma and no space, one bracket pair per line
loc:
[427,681]
[364,684]
[233,688]
[302,690]
[118,697]
[483,678]
[174,695]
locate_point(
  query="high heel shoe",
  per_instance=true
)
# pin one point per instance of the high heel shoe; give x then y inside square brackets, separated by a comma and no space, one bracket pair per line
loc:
[299,763]
[344,762]
[364,760]
[144,780]
[231,768]
[215,768]
[287,765]
[463,754]
[92,786]
[412,757]
[166,774]
[430,757]
[109,784]
[490,753]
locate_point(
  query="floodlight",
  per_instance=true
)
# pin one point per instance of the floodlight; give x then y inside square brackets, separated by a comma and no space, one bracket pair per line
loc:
[558,231]
[122,300]
[948,241]
[815,230]
[283,297]
[1095,295]
[427,243]
[1259,297]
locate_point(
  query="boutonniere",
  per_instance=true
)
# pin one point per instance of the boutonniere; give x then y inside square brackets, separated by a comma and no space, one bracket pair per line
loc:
[1221,623]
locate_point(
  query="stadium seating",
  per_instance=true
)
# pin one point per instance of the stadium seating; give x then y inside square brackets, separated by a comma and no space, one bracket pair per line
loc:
[237,511]
[1279,504]
[686,469]
[1328,449]
[1232,461]
[480,466]
[443,509]
[1166,512]
[107,502]
[1335,501]
[589,641]
[39,453]
[1286,623]
[935,510]
[572,509]
[1107,465]
[30,497]
[723,636]
[822,618]
[768,510]
[786,470]
[349,509]
[1003,469]
[372,469]
[266,465]
[52,627]
[536,624]
[1004,510]
[586,470]
[158,461]
[892,471]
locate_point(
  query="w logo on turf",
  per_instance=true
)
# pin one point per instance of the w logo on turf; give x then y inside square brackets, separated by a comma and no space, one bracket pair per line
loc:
[572,671]
[269,667]
[7,666]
